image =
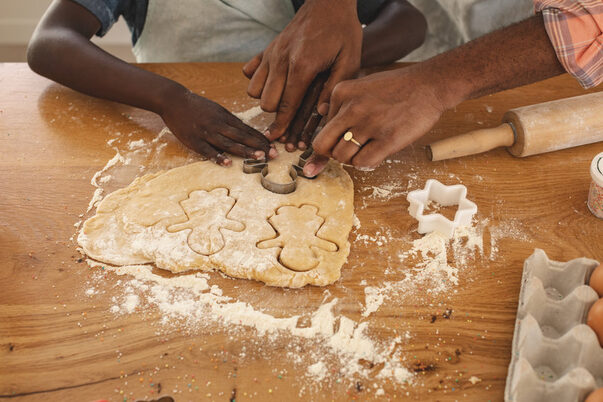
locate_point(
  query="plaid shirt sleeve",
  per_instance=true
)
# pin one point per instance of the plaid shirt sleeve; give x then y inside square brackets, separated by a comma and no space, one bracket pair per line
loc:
[575,30]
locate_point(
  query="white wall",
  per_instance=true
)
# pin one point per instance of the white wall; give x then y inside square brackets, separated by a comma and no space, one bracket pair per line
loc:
[18,19]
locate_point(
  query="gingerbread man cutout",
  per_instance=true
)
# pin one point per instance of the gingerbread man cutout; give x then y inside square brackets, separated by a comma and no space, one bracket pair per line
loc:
[207,216]
[297,230]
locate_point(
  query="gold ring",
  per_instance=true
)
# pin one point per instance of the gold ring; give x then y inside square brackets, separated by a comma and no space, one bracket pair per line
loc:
[348,136]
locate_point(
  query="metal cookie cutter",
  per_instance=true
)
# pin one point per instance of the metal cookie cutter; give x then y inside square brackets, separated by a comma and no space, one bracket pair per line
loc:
[445,196]
[261,166]
[303,158]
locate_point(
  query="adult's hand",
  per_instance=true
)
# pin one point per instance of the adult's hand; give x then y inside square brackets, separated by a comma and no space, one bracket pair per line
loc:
[323,35]
[210,129]
[385,112]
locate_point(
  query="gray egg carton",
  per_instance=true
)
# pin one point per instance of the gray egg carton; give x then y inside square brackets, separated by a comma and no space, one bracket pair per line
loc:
[556,357]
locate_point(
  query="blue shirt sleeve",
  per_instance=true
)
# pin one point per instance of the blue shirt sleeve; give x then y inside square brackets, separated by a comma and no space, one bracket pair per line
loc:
[109,11]
[106,11]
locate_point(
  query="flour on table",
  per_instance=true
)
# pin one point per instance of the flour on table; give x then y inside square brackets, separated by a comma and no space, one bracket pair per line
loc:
[364,168]
[249,114]
[317,371]
[431,264]
[510,229]
[193,302]
[98,192]
[387,191]
[96,198]
[374,298]
[136,144]
[112,162]
[130,303]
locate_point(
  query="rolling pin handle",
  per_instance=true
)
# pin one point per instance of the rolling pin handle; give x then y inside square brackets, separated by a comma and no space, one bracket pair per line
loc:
[471,143]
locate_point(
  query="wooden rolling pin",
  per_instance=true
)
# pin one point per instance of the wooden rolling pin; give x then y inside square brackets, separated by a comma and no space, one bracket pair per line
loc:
[532,130]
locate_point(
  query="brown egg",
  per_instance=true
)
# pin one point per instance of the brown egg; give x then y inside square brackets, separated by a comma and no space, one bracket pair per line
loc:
[596,280]
[595,396]
[595,319]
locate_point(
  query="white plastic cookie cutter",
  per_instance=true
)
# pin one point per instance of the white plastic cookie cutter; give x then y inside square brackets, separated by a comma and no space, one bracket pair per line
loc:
[445,196]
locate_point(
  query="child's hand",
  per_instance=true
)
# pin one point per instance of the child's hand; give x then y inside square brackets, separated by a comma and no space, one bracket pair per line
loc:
[209,129]
[385,112]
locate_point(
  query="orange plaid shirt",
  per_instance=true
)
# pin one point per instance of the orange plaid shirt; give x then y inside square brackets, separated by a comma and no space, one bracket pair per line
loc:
[575,30]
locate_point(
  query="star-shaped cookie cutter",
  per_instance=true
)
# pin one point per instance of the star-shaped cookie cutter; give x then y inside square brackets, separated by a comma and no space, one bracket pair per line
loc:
[295,171]
[445,196]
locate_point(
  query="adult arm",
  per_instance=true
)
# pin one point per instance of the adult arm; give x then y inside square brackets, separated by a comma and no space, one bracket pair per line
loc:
[389,110]
[61,50]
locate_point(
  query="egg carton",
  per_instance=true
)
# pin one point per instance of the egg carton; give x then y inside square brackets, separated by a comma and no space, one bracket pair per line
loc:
[556,357]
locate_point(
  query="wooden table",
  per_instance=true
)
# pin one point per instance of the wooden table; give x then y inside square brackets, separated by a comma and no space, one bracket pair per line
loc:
[58,344]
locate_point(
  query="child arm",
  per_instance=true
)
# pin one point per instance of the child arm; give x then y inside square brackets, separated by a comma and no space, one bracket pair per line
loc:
[61,50]
[398,29]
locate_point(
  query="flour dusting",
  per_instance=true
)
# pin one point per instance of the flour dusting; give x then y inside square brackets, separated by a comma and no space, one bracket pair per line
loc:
[249,114]
[317,371]
[374,298]
[431,265]
[98,192]
[190,301]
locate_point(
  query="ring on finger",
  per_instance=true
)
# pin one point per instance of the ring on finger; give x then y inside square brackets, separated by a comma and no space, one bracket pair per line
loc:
[349,137]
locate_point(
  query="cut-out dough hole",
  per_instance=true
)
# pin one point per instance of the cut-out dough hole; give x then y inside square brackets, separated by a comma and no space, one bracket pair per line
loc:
[296,230]
[207,214]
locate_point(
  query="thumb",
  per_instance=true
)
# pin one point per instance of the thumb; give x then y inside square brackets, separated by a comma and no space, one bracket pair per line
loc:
[315,165]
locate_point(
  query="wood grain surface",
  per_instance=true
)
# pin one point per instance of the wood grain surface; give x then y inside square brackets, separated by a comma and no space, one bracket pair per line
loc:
[57,344]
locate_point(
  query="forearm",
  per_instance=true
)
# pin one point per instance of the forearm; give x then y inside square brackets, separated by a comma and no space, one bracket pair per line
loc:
[517,55]
[396,31]
[72,60]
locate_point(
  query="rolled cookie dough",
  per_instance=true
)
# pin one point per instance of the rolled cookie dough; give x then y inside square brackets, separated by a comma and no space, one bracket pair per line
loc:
[202,216]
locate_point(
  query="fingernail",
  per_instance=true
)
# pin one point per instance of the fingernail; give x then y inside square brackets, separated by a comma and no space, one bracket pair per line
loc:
[323,109]
[259,154]
[310,169]
[301,145]
[226,162]
[290,147]
[267,133]
[273,153]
